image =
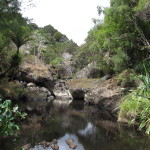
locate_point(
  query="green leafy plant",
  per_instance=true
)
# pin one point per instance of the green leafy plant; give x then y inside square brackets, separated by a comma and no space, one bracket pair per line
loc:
[136,105]
[8,116]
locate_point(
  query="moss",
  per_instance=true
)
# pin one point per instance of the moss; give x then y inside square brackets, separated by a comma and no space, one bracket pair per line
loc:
[83,83]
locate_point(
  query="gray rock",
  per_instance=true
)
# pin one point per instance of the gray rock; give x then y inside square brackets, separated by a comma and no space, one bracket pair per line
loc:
[54,141]
[78,94]
[61,91]
[106,77]
[37,93]
[28,108]
[67,70]
[73,146]
[69,141]
[106,95]
[90,71]
[55,147]
[31,84]
[67,56]
[37,73]
[50,98]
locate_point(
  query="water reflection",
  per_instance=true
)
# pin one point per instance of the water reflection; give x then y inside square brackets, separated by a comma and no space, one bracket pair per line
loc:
[90,129]
[68,120]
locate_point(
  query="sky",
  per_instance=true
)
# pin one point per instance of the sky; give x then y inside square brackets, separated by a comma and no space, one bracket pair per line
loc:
[71,17]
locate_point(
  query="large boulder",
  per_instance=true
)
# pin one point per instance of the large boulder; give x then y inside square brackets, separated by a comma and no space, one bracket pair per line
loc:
[36,72]
[61,91]
[106,95]
[90,71]
[36,93]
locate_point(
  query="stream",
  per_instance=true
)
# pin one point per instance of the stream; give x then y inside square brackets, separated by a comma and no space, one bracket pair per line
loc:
[62,120]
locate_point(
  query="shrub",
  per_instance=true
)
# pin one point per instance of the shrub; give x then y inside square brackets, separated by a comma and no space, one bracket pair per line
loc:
[8,115]
[136,105]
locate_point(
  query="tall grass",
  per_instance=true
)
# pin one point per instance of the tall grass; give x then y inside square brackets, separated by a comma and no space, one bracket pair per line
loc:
[136,105]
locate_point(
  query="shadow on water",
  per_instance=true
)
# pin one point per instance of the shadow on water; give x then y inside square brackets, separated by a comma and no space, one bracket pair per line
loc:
[62,120]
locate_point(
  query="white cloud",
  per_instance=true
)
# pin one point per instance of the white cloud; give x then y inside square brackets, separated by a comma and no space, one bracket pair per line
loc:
[71,17]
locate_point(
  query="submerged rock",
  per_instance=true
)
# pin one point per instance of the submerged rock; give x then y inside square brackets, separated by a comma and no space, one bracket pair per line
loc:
[54,141]
[73,146]
[55,147]
[69,141]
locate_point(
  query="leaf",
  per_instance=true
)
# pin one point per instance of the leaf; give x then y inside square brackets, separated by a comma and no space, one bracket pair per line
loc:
[148,130]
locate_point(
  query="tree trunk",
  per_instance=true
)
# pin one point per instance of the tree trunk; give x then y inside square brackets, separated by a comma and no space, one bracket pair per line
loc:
[18,50]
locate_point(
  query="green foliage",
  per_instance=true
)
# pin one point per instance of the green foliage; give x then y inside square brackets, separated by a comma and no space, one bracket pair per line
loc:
[127,78]
[15,61]
[52,35]
[145,79]
[57,36]
[136,105]
[123,36]
[143,67]
[142,4]
[119,61]
[14,30]
[54,51]
[18,33]
[57,61]
[8,116]
[137,109]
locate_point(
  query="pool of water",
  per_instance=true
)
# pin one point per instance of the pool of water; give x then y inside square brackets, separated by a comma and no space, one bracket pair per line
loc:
[64,120]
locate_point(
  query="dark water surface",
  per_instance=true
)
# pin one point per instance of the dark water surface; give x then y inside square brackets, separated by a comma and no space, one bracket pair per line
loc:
[62,120]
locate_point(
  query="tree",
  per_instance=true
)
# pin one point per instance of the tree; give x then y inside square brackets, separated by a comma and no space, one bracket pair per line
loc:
[13,28]
[19,34]
[124,34]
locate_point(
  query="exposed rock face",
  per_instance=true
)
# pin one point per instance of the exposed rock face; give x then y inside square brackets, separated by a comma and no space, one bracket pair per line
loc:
[89,71]
[37,73]
[106,95]
[67,70]
[61,91]
[37,93]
